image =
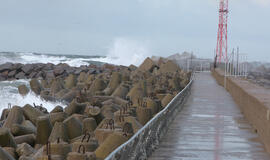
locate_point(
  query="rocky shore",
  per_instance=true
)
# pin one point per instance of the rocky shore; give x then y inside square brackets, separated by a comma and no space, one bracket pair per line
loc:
[12,71]
[106,105]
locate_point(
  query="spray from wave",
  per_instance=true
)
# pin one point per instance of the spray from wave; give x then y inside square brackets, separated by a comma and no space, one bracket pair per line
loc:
[126,52]
[9,94]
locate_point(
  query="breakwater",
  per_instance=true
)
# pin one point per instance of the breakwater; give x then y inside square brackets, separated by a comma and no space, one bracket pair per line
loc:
[106,106]
[253,101]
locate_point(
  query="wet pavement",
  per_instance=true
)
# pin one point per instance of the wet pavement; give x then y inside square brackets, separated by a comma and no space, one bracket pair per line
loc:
[210,127]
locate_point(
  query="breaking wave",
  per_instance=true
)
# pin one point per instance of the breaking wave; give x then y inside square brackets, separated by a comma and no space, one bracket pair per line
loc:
[9,94]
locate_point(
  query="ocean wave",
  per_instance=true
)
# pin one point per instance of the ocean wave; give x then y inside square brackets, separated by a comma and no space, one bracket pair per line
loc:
[29,58]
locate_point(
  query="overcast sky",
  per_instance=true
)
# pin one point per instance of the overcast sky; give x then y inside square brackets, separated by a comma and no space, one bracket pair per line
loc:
[162,27]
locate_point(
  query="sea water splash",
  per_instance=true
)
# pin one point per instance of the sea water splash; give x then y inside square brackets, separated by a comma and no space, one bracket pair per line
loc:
[126,52]
[9,94]
[8,89]
[26,58]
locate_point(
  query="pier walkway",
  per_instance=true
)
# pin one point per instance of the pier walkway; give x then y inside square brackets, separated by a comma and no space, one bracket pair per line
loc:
[210,127]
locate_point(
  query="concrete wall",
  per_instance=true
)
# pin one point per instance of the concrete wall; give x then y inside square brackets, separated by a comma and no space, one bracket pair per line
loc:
[254,102]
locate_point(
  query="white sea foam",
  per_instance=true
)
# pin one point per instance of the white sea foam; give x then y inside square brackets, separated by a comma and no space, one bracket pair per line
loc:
[55,59]
[9,94]
[26,58]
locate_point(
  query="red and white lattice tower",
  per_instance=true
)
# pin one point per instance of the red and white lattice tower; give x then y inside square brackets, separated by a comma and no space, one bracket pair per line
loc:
[222,44]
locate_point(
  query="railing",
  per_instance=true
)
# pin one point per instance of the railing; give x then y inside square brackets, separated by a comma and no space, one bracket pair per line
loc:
[141,144]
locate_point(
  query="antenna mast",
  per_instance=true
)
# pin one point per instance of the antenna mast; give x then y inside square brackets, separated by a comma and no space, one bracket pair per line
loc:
[222,44]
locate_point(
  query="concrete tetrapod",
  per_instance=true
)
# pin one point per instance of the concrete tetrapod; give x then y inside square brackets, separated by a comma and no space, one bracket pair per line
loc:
[78,155]
[75,107]
[48,155]
[4,155]
[89,125]
[57,117]
[166,100]
[31,113]
[59,131]
[44,128]
[105,100]
[6,138]
[111,143]
[25,149]
[70,81]
[27,138]
[90,143]
[11,151]
[74,127]
[15,116]
[59,148]
[35,86]
[23,90]
[144,114]
[18,130]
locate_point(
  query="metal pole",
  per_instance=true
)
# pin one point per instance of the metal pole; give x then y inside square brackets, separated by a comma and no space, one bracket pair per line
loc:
[225,75]
[237,61]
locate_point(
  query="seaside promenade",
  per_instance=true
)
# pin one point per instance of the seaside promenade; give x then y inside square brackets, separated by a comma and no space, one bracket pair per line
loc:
[210,127]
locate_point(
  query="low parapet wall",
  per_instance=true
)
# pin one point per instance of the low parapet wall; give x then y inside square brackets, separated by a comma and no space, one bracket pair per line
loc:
[254,102]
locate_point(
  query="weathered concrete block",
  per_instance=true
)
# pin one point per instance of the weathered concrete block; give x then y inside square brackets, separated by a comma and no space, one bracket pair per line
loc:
[15,116]
[11,151]
[68,97]
[18,130]
[44,128]
[29,124]
[59,131]
[23,90]
[89,125]
[90,145]
[70,81]
[150,103]
[75,107]
[58,148]
[26,158]
[77,156]
[5,113]
[95,112]
[6,138]
[97,85]
[143,114]
[35,86]
[56,86]
[57,117]
[31,113]
[101,134]
[4,155]
[166,100]
[25,149]
[74,127]
[28,138]
[121,91]
[111,143]
[57,109]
